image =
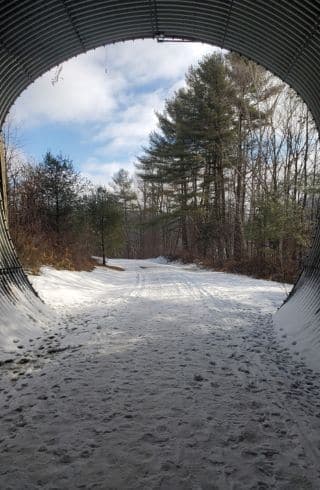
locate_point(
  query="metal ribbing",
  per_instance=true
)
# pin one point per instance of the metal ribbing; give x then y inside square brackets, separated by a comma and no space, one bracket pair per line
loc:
[282,35]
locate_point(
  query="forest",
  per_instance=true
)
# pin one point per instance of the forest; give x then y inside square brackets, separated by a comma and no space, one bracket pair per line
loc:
[229,179]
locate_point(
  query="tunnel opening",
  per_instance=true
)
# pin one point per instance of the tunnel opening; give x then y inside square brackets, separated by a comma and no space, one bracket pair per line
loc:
[269,132]
[178,396]
[36,37]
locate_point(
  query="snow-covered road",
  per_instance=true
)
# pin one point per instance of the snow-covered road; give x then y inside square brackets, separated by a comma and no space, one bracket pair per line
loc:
[159,377]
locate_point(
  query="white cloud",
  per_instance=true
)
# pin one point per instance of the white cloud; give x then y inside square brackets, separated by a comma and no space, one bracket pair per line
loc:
[146,61]
[92,85]
[113,93]
[131,127]
[101,173]
[83,93]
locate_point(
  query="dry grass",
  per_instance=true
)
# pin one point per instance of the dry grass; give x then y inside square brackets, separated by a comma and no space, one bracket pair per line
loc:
[261,268]
[35,251]
[271,270]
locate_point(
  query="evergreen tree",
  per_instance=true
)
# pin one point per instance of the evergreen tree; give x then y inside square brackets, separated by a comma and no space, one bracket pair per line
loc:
[59,185]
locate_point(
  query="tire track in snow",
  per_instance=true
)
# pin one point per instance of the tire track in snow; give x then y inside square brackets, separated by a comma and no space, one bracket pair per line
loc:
[185,407]
[254,369]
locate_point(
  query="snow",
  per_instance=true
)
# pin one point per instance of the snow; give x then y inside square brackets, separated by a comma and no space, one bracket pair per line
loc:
[23,318]
[159,260]
[298,327]
[161,376]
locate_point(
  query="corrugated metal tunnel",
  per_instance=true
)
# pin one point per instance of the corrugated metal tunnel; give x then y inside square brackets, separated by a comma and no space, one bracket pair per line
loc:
[281,35]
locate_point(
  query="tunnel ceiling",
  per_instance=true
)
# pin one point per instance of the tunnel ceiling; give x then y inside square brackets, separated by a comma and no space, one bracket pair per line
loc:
[282,35]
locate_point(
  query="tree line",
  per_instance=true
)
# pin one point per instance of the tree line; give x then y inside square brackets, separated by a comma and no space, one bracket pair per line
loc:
[58,218]
[231,176]
[230,179]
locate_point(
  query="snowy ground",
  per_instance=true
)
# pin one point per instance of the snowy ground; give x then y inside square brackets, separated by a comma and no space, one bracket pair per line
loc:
[159,377]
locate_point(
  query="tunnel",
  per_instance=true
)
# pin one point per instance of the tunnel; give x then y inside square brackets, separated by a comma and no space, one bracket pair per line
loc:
[281,35]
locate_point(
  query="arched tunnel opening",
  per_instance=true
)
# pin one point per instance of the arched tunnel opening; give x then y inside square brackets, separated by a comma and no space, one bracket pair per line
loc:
[217,404]
[283,38]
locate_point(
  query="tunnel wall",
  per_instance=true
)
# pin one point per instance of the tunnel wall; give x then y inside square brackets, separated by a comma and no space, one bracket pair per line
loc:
[281,35]
[298,319]
[22,313]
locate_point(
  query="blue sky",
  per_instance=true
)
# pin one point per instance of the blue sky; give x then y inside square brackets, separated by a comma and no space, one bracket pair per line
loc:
[102,108]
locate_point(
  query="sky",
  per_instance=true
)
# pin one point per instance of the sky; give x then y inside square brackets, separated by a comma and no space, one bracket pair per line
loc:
[99,108]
